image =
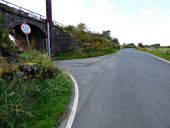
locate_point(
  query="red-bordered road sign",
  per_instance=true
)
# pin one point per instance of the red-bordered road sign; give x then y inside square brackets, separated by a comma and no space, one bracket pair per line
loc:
[25,28]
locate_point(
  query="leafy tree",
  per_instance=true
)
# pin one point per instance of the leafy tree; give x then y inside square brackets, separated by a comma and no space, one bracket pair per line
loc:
[81,27]
[155,45]
[130,45]
[91,40]
[140,45]
[115,41]
[70,28]
[106,34]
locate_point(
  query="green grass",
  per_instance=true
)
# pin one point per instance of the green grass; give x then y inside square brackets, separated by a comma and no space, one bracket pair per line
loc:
[160,52]
[85,54]
[34,103]
[33,92]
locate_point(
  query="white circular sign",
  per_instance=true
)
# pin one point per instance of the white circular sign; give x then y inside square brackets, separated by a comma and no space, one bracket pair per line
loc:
[25,28]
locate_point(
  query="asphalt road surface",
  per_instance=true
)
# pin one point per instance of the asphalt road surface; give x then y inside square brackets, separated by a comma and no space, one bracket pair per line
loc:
[126,90]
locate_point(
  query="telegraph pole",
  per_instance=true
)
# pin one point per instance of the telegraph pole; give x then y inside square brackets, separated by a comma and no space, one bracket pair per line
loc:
[49,27]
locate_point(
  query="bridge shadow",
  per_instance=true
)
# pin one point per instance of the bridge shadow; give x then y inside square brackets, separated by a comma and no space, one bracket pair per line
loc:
[37,37]
[14,16]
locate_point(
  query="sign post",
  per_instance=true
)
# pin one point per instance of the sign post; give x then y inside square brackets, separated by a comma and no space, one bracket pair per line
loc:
[26,29]
[49,27]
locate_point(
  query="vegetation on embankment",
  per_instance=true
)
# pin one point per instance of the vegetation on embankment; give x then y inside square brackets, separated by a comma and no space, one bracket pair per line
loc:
[130,45]
[91,44]
[160,52]
[78,54]
[33,91]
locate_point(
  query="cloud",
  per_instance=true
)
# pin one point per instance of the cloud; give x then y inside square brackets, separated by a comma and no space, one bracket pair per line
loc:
[128,20]
[95,13]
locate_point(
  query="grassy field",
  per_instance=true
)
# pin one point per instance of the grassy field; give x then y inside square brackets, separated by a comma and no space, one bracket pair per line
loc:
[160,52]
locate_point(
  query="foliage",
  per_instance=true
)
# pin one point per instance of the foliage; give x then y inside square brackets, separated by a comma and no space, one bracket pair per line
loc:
[81,27]
[29,103]
[130,45]
[85,53]
[5,42]
[33,91]
[94,44]
[82,35]
[37,57]
[2,64]
[140,45]
[155,45]
[29,98]
[161,52]
[106,34]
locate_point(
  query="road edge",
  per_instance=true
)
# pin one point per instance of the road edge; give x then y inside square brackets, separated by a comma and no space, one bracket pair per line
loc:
[73,110]
[157,57]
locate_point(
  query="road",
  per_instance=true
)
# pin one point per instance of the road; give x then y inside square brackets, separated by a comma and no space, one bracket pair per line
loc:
[126,90]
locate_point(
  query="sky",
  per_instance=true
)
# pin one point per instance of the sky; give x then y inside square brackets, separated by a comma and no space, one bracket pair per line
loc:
[131,21]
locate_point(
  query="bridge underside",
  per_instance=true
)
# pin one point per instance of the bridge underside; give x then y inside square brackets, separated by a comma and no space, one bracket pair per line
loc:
[14,17]
[37,38]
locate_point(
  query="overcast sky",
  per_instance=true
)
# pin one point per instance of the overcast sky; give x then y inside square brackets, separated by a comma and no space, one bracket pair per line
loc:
[145,21]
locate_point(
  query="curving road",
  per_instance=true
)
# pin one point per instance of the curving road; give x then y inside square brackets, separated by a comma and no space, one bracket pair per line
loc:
[126,90]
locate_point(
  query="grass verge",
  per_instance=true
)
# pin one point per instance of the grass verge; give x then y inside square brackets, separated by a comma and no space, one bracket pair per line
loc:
[85,54]
[160,52]
[34,103]
[55,103]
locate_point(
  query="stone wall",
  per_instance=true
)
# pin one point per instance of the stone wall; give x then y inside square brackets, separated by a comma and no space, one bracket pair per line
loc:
[14,17]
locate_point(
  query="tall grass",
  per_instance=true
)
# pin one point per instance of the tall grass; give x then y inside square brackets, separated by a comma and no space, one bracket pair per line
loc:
[29,103]
[161,52]
[33,102]
[85,53]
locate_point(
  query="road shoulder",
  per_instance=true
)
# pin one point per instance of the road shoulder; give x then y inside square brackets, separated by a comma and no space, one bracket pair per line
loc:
[72,108]
[156,57]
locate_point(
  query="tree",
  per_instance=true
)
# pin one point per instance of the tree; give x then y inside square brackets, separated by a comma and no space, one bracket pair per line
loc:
[70,28]
[140,45]
[106,34]
[81,27]
[155,45]
[115,41]
[130,45]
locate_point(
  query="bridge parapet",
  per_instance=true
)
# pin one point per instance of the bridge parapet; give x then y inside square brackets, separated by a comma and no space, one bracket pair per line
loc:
[26,13]
[13,17]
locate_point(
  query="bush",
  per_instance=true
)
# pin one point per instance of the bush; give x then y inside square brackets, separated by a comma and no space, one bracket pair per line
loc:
[131,45]
[32,65]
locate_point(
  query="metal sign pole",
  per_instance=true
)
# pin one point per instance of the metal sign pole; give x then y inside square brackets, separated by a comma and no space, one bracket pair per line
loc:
[26,29]
[49,26]
[48,39]
[27,40]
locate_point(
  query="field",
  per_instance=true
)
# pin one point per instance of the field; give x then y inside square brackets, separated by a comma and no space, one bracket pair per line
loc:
[160,52]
